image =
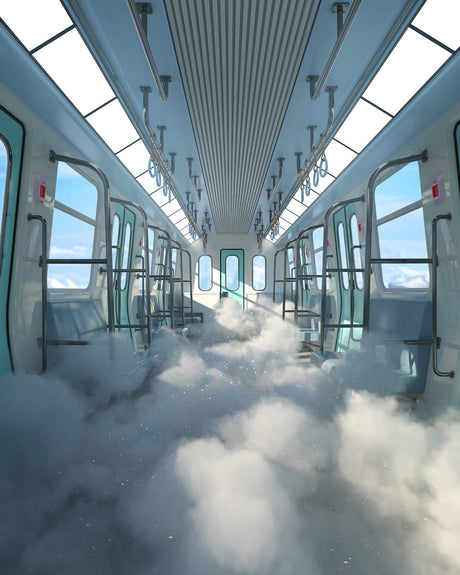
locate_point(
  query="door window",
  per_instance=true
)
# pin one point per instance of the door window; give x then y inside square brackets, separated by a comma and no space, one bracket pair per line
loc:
[259,273]
[343,254]
[356,251]
[232,266]
[73,228]
[126,254]
[205,273]
[4,185]
[401,229]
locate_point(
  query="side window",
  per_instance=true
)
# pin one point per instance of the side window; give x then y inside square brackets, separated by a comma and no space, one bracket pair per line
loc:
[174,261]
[259,280]
[73,230]
[151,235]
[205,273]
[4,185]
[401,229]
[126,254]
[292,270]
[318,254]
[356,252]
[115,241]
[232,265]
[342,254]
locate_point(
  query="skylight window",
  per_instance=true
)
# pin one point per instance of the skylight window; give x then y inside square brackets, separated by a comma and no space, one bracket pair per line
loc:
[411,63]
[135,158]
[70,64]
[439,19]
[177,216]
[289,216]
[323,183]
[285,224]
[297,207]
[147,182]
[182,225]
[170,207]
[338,157]
[361,126]
[307,200]
[159,198]
[31,22]
[113,125]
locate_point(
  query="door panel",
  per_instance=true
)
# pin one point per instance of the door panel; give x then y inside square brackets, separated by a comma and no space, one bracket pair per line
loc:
[232,275]
[11,147]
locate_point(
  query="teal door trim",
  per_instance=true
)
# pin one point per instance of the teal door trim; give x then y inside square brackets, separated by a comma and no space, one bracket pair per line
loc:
[228,280]
[12,132]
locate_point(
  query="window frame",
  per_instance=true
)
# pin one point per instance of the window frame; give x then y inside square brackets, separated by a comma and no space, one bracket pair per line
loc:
[81,217]
[394,216]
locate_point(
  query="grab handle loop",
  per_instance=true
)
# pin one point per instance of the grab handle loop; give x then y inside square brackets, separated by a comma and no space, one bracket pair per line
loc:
[152,167]
[315,176]
[323,166]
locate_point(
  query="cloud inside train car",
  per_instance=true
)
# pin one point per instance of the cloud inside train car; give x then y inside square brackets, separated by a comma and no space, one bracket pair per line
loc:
[232,458]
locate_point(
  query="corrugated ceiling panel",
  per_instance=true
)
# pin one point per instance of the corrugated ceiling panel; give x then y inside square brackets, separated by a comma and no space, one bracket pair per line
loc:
[238,60]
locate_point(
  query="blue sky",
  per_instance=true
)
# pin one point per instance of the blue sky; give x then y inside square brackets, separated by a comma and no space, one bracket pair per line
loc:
[71,237]
[405,236]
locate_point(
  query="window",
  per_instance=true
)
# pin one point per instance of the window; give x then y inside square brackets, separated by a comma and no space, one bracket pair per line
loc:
[205,273]
[401,229]
[291,272]
[342,254]
[174,261]
[115,241]
[126,254]
[259,273]
[318,255]
[232,267]
[356,251]
[151,234]
[73,229]
[4,185]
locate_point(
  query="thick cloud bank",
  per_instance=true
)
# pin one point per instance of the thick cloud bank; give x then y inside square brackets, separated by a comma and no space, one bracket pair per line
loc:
[231,458]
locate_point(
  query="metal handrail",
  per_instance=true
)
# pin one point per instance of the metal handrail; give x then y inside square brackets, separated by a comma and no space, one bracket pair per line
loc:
[275,281]
[189,281]
[53,157]
[434,291]
[324,270]
[146,48]
[44,265]
[370,196]
[44,261]
[300,276]
[436,340]
[180,279]
[165,277]
[285,275]
[342,34]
